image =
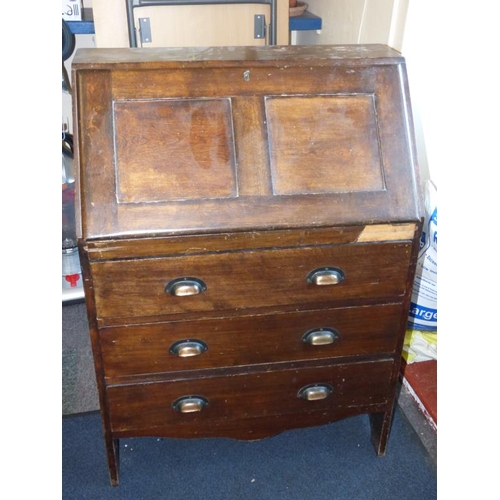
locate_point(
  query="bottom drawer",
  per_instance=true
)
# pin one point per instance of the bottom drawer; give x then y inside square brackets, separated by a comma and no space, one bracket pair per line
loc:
[218,405]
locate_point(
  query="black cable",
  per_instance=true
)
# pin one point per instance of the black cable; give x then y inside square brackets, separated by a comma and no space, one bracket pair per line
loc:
[68,41]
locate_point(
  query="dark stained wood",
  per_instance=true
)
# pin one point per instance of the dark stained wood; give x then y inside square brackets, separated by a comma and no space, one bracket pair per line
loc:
[193,156]
[247,340]
[381,422]
[112,444]
[254,178]
[244,280]
[93,130]
[262,427]
[241,170]
[223,57]
[341,115]
[334,137]
[149,407]
[128,248]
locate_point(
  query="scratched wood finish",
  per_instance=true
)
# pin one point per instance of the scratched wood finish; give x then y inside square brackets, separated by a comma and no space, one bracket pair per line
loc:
[149,407]
[335,137]
[129,248]
[246,340]
[226,130]
[193,155]
[245,280]
[246,168]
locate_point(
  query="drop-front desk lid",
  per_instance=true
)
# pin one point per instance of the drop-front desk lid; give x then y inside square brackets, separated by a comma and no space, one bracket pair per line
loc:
[178,141]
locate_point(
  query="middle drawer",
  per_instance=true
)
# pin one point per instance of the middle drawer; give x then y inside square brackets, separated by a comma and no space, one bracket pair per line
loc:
[246,340]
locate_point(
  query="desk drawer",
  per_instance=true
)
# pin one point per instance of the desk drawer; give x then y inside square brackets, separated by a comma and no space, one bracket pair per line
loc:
[249,279]
[151,408]
[237,341]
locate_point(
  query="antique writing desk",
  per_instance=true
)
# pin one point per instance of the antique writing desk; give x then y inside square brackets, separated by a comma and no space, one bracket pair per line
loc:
[249,221]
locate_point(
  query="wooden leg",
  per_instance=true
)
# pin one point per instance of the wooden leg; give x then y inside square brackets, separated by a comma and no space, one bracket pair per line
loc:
[380,427]
[113,452]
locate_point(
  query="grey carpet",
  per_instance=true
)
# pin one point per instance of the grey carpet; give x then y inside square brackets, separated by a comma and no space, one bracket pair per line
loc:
[79,388]
[331,462]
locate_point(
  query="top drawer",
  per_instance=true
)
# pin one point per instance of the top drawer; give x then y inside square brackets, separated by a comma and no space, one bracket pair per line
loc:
[250,279]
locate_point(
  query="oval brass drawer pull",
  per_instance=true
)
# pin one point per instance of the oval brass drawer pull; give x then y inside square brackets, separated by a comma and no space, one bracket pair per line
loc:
[190,404]
[325,276]
[188,348]
[315,392]
[320,336]
[182,287]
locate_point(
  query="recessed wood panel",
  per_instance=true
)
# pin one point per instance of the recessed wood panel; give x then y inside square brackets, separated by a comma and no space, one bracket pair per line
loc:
[174,149]
[247,189]
[324,144]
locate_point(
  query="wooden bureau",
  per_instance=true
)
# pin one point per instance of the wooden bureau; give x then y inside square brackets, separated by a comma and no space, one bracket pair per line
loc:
[249,221]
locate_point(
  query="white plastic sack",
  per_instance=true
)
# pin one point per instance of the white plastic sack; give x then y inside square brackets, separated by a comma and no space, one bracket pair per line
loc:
[419,346]
[423,308]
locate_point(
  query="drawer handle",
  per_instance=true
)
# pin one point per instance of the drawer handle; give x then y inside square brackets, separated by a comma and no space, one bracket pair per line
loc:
[325,276]
[188,348]
[190,404]
[182,287]
[320,336]
[315,392]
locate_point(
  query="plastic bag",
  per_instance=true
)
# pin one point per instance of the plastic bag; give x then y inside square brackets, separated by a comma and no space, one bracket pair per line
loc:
[423,308]
[420,342]
[419,346]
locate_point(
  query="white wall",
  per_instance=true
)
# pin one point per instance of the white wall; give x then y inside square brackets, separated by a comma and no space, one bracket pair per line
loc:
[451,49]
[418,48]
[356,21]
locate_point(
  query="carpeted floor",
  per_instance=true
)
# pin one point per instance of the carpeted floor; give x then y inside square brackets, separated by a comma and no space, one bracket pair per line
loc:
[79,388]
[336,461]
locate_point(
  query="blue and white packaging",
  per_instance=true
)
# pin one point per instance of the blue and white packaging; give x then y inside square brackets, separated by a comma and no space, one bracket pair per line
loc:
[72,10]
[423,307]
